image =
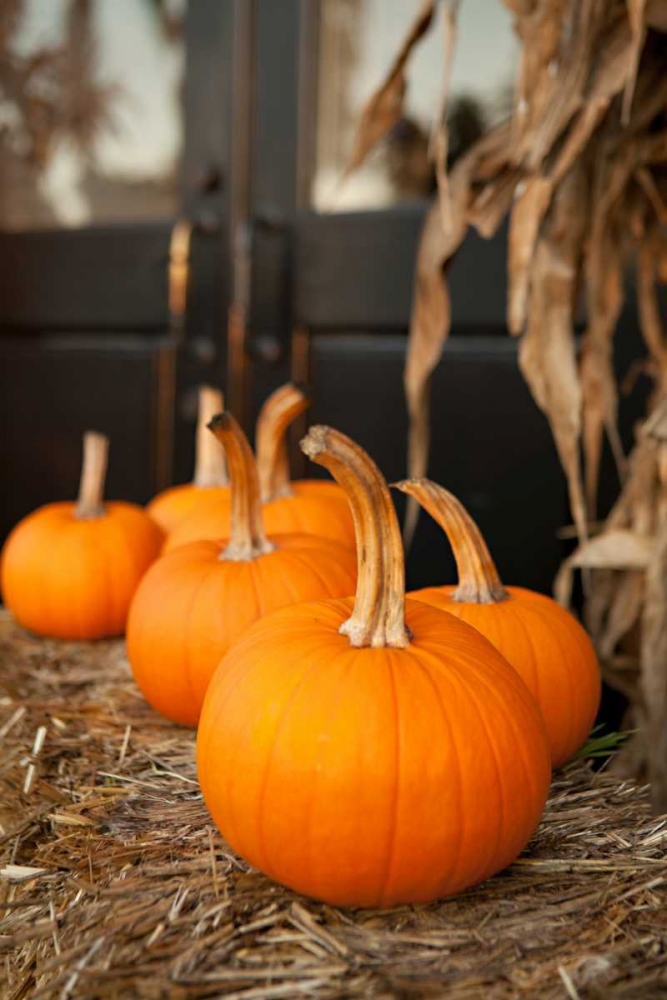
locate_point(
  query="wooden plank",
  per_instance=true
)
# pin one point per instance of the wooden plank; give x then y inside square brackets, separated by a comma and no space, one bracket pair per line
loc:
[102,278]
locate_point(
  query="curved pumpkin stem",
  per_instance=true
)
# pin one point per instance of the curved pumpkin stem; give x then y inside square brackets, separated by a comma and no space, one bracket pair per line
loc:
[247,540]
[93,474]
[210,466]
[479,582]
[378,618]
[280,409]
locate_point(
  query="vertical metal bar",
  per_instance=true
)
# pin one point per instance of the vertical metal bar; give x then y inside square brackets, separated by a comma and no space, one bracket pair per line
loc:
[300,346]
[240,195]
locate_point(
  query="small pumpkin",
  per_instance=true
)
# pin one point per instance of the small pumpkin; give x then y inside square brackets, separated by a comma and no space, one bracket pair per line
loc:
[543,642]
[171,506]
[308,506]
[69,571]
[371,751]
[196,601]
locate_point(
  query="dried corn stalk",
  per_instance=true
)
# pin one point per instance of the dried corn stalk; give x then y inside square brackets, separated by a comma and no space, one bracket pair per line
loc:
[581,167]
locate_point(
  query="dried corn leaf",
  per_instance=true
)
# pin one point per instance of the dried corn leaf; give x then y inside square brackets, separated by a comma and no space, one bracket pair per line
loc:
[620,549]
[652,192]
[431,317]
[656,14]
[529,209]
[611,75]
[522,7]
[604,299]
[607,611]
[654,666]
[603,586]
[625,608]
[649,101]
[558,94]
[439,146]
[637,18]
[429,328]
[385,106]
[598,382]
[540,30]
[656,425]
[649,311]
[547,350]
[491,205]
[635,507]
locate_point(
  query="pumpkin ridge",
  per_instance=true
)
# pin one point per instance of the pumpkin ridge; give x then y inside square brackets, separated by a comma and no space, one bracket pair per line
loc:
[385,880]
[469,665]
[520,621]
[102,544]
[309,669]
[53,588]
[540,614]
[456,754]
[335,707]
[491,859]
[198,590]
[256,567]
[527,765]
[44,591]
[454,677]
[44,607]
[204,736]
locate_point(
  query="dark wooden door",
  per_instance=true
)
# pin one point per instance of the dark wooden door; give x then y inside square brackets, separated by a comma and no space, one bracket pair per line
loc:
[87,339]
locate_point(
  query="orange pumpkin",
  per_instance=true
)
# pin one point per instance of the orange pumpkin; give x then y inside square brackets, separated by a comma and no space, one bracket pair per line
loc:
[371,751]
[308,506]
[171,506]
[69,571]
[543,642]
[197,600]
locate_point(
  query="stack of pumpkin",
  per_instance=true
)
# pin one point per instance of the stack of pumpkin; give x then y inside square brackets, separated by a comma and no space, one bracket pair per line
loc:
[367,750]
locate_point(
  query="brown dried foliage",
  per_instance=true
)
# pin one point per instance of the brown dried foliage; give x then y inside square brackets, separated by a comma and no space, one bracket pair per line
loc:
[114,883]
[581,166]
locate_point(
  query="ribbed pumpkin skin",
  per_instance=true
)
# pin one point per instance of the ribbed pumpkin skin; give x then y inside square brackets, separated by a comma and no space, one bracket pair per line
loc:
[374,776]
[74,578]
[192,605]
[548,648]
[316,508]
[173,505]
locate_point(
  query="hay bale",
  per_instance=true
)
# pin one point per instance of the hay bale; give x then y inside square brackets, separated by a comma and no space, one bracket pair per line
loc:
[114,882]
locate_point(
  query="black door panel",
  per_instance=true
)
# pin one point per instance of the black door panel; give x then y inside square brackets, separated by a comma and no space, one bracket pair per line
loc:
[490,445]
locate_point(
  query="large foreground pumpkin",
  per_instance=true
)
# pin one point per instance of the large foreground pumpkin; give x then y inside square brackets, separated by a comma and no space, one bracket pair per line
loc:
[171,506]
[543,642]
[309,506]
[70,570]
[197,600]
[371,751]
